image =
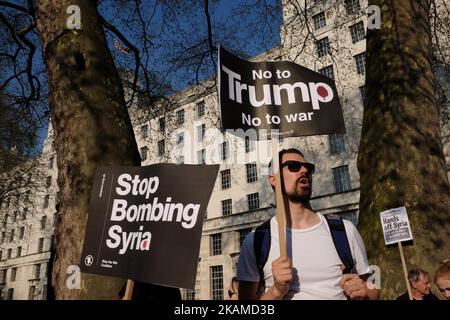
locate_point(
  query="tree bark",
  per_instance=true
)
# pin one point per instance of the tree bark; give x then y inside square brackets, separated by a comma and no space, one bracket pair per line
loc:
[91,127]
[401,160]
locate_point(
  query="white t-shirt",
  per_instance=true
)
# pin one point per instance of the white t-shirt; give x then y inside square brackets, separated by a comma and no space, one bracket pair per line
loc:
[316,263]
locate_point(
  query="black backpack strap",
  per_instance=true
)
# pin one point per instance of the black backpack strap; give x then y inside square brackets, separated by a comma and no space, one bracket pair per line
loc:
[261,246]
[341,243]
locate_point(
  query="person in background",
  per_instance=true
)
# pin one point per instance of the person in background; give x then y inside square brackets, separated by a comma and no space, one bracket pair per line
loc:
[420,286]
[233,289]
[442,278]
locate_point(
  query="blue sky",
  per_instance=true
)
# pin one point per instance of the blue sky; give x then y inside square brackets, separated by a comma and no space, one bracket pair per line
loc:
[241,26]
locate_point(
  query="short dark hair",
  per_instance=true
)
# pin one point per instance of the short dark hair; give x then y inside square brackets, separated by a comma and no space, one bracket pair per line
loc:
[415,274]
[282,152]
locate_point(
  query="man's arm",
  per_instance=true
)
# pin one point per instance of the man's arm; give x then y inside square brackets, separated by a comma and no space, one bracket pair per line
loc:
[248,290]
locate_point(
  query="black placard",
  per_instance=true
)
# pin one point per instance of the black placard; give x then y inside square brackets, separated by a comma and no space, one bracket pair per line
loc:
[281,96]
[145,223]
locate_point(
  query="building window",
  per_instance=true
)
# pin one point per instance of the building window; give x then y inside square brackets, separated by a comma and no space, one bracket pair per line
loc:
[341,179]
[24,213]
[180,140]
[21,233]
[217,282]
[46,201]
[15,216]
[357,32]
[253,201]
[179,159]
[190,294]
[144,152]
[12,235]
[201,155]
[252,174]
[227,207]
[197,282]
[327,71]
[242,234]
[40,245]
[50,162]
[323,47]
[350,216]
[319,20]
[1,255]
[3,276]
[201,132]
[224,150]
[31,292]
[48,182]
[200,109]
[162,125]
[3,237]
[352,6]
[44,291]
[180,116]
[9,254]
[337,143]
[10,295]
[43,222]
[161,147]
[225,176]
[37,271]
[5,220]
[250,145]
[13,274]
[216,244]
[362,91]
[360,60]
[19,251]
[144,131]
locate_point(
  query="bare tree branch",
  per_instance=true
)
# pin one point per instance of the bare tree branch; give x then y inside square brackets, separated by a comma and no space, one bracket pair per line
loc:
[137,59]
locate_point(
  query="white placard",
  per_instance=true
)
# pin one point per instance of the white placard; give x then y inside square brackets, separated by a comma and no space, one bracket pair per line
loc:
[395,224]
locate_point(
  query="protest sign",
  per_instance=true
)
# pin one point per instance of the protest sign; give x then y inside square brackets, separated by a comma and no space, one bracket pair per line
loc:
[145,223]
[279,95]
[395,224]
[396,228]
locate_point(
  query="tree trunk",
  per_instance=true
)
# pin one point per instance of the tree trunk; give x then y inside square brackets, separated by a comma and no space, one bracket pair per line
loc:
[400,160]
[91,127]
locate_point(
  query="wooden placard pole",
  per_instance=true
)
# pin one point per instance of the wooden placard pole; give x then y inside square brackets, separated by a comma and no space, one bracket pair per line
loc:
[280,213]
[405,272]
[129,290]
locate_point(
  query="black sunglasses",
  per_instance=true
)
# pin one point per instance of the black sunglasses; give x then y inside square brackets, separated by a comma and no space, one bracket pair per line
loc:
[295,166]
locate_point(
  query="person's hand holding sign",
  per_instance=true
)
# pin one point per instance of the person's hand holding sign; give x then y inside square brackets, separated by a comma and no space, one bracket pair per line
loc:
[282,276]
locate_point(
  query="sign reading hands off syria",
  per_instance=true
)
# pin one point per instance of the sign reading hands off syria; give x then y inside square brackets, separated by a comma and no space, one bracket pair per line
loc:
[277,95]
[145,223]
[396,226]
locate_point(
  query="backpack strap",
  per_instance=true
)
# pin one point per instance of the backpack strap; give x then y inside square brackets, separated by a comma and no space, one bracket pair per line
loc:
[261,246]
[262,239]
[340,240]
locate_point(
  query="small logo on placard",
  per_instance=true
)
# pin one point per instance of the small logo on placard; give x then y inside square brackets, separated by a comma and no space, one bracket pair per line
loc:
[88,260]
